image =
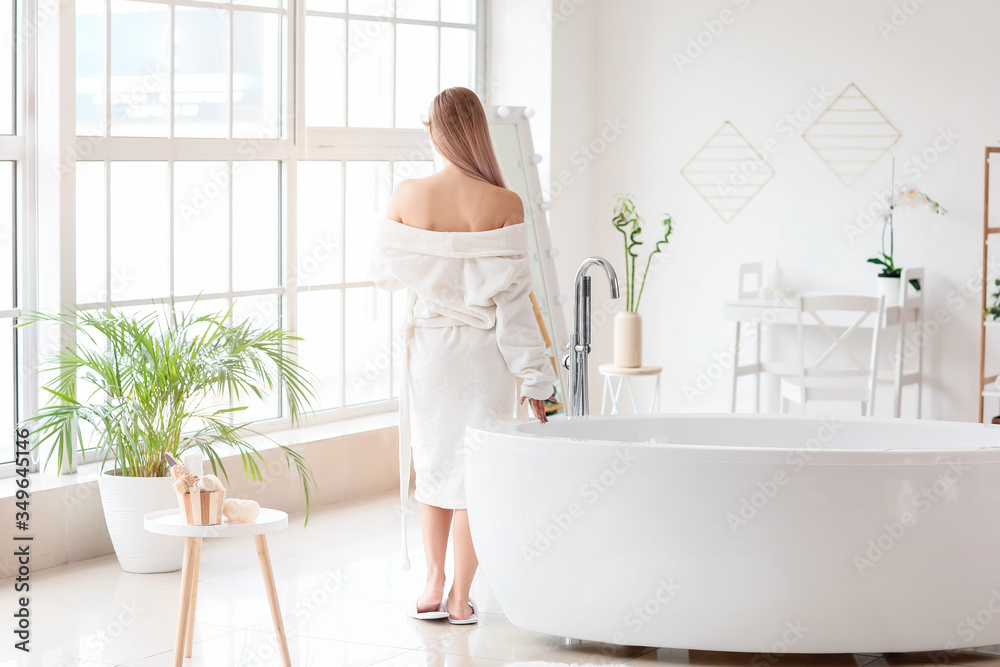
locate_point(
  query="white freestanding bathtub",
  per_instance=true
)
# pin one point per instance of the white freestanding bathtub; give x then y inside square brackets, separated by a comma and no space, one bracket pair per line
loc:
[752,533]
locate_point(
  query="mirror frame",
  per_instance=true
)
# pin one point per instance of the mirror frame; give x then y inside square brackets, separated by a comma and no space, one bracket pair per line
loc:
[542,262]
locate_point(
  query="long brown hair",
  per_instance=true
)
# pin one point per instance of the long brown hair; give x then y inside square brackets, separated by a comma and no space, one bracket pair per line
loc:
[462,135]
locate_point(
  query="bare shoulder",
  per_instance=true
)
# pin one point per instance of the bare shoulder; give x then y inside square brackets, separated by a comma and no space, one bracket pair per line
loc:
[403,196]
[409,188]
[513,207]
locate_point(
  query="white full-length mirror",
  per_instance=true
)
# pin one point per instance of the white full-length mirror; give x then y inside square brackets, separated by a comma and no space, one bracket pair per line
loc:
[511,133]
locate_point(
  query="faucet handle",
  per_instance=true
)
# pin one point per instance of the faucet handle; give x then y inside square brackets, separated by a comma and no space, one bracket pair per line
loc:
[565,362]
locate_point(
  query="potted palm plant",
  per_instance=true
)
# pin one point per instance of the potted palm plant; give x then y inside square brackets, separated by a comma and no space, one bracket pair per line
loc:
[145,387]
[628,323]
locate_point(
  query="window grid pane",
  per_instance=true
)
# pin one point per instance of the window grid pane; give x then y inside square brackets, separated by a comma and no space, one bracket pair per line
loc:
[140,230]
[91,233]
[458,58]
[368,345]
[8,301]
[8,80]
[326,71]
[393,68]
[201,227]
[256,225]
[8,389]
[214,96]
[201,68]
[215,226]
[367,196]
[320,226]
[256,76]
[320,315]
[424,10]
[416,72]
[458,11]
[91,84]
[335,6]
[369,73]
[370,7]
[8,258]
[140,69]
[262,311]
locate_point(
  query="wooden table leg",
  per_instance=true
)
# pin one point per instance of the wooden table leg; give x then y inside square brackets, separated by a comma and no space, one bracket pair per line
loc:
[272,597]
[196,567]
[184,606]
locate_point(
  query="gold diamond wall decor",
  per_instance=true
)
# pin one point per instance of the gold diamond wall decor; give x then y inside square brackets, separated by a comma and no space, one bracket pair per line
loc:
[851,135]
[727,172]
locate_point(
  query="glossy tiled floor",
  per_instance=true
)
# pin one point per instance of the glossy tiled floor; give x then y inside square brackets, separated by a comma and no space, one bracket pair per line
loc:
[344,602]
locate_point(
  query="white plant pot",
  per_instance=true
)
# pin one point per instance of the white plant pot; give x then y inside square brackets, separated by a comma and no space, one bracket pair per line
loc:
[889,288]
[126,500]
[628,340]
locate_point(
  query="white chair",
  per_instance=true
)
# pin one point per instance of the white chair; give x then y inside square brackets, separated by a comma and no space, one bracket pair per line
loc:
[910,299]
[818,381]
[751,280]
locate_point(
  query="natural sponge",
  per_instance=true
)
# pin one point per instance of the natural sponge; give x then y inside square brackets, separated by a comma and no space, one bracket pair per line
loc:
[235,509]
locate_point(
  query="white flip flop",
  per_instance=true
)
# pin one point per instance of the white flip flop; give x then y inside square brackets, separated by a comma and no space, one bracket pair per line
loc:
[442,612]
[474,618]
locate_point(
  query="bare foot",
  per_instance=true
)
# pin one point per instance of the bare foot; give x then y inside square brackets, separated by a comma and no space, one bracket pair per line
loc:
[459,608]
[431,598]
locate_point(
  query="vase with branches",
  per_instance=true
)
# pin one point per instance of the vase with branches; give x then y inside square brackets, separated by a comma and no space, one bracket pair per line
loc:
[145,385]
[628,324]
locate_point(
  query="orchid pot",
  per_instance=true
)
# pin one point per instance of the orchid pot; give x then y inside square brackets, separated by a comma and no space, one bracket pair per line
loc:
[888,287]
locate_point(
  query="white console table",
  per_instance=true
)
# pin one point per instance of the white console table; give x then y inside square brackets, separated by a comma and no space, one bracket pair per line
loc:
[782,311]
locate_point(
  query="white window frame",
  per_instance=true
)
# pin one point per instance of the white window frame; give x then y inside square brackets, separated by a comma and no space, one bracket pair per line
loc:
[20,149]
[299,143]
[348,144]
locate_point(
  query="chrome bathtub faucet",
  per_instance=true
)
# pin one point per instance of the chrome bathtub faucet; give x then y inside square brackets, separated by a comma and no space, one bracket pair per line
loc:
[579,342]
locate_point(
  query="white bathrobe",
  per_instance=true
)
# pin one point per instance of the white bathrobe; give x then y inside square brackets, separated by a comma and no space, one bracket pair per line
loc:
[470,334]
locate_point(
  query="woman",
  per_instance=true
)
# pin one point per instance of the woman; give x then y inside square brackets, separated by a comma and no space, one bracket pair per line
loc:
[456,241]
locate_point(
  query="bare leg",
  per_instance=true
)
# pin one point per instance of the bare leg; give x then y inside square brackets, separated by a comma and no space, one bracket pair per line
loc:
[465,567]
[435,523]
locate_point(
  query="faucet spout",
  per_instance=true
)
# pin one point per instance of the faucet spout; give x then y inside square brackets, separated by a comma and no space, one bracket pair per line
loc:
[577,361]
[609,271]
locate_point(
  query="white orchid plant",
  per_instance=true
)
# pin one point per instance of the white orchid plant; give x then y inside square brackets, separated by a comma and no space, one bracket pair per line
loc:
[905,196]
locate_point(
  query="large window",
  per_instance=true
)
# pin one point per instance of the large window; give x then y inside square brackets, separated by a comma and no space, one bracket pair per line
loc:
[14,177]
[369,67]
[374,67]
[241,152]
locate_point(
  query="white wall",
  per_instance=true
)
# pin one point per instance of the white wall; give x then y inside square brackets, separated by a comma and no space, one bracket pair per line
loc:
[575,121]
[613,59]
[519,67]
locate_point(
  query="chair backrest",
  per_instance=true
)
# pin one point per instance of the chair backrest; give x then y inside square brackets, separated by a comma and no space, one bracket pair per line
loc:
[753,273]
[852,312]
[909,296]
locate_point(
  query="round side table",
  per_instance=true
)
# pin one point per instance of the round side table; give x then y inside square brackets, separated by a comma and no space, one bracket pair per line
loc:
[623,376]
[169,522]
